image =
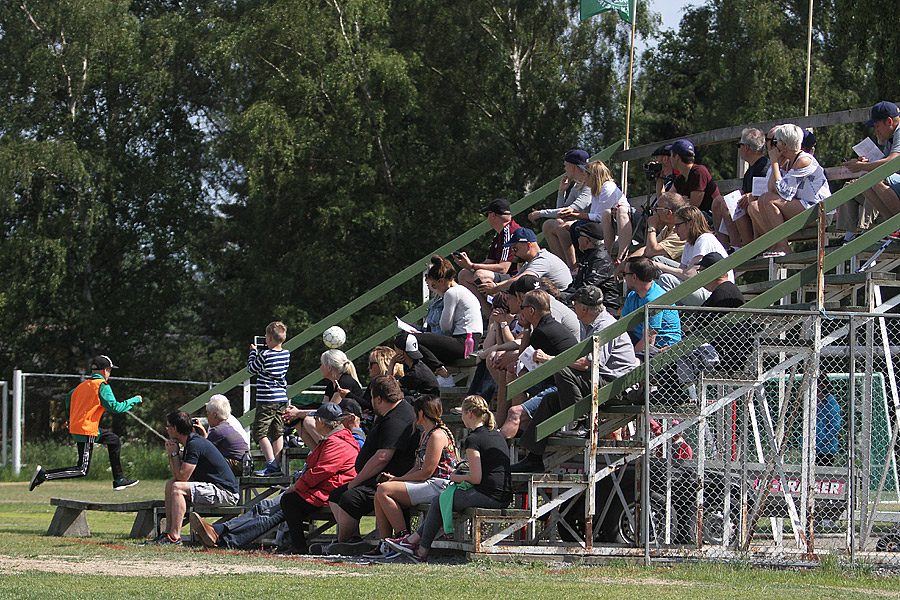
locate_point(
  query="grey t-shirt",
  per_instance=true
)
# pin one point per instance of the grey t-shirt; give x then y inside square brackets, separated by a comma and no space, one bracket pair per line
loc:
[565,315]
[893,144]
[546,264]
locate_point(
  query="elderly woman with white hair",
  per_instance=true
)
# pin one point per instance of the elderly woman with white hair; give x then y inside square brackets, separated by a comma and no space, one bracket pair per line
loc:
[802,184]
[226,433]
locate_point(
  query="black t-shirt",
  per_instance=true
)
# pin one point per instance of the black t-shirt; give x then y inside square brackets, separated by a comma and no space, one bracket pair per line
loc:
[727,295]
[347,382]
[396,430]
[757,169]
[495,473]
[211,465]
[551,336]
[419,379]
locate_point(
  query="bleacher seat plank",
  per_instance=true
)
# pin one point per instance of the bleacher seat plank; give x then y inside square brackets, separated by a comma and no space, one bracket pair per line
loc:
[70,517]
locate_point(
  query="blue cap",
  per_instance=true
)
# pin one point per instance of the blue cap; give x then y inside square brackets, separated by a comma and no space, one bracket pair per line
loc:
[329,411]
[577,157]
[682,148]
[882,111]
[521,235]
[809,139]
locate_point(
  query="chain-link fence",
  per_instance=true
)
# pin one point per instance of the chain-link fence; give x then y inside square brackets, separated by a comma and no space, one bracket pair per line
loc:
[772,437]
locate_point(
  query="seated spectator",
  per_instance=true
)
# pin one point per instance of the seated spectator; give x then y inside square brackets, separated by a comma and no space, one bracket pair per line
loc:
[663,244]
[609,207]
[751,148]
[537,261]
[665,326]
[435,460]
[664,174]
[573,194]
[417,378]
[351,419]
[379,363]
[790,193]
[723,292]
[461,321]
[488,479]
[501,331]
[226,433]
[694,182]
[595,269]
[200,476]
[693,228]
[389,448]
[884,196]
[495,267]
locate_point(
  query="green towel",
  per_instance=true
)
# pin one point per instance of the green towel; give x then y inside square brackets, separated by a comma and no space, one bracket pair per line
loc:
[446,502]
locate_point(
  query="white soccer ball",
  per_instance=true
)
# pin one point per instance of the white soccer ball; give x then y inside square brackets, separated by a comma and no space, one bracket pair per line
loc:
[334,337]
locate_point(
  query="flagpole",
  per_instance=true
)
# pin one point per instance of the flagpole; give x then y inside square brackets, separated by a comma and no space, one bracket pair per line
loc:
[808,59]
[628,104]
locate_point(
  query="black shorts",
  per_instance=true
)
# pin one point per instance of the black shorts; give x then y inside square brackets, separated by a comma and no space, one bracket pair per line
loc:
[357,502]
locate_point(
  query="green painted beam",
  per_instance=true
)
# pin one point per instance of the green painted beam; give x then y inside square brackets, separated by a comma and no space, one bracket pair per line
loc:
[394,282]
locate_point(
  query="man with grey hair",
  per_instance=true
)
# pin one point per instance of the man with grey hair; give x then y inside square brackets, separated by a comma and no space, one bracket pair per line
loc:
[226,433]
[751,149]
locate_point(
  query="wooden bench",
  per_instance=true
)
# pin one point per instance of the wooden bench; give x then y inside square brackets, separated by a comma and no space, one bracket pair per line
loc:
[70,517]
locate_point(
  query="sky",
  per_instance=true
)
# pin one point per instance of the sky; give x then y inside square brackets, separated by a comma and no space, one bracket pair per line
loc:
[671,11]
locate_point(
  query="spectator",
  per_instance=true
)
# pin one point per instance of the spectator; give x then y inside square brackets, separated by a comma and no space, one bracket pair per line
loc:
[86,404]
[226,433]
[595,269]
[389,448]
[723,292]
[435,460]
[663,175]
[692,227]
[609,207]
[200,476]
[665,326]
[380,361]
[537,261]
[270,365]
[663,244]
[751,149]
[488,479]
[351,419]
[802,186]
[884,196]
[417,378]
[694,181]
[573,194]
[461,321]
[495,267]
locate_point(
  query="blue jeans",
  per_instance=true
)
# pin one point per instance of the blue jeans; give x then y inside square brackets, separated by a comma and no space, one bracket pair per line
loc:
[434,520]
[242,530]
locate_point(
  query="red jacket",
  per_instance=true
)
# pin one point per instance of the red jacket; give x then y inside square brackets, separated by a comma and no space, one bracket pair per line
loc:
[329,465]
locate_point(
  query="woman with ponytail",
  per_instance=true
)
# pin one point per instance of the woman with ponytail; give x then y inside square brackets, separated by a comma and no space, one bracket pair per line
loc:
[461,320]
[485,485]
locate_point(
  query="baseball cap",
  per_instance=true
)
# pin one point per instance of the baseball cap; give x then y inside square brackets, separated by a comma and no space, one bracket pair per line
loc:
[809,139]
[525,284]
[881,111]
[98,363]
[663,150]
[577,157]
[683,148]
[591,230]
[349,406]
[498,206]
[408,343]
[329,411]
[710,259]
[521,234]
[589,295]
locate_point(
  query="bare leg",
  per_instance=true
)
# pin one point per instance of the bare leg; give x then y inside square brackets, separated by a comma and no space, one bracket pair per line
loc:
[266,446]
[559,240]
[609,236]
[625,230]
[347,525]
[500,378]
[516,419]
[177,493]
[888,204]
[308,432]
[744,229]
[390,498]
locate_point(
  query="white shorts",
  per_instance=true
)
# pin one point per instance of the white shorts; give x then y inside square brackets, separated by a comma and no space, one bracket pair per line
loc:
[423,492]
[203,492]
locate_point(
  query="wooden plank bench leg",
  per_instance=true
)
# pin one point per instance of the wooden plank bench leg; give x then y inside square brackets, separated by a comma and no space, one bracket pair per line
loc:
[143,524]
[69,521]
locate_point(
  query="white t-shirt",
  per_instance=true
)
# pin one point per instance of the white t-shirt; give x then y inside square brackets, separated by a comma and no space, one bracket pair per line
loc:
[705,244]
[462,312]
[610,195]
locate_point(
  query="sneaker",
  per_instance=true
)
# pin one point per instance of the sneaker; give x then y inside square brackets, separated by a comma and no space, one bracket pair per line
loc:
[163,539]
[773,254]
[355,546]
[39,477]
[403,546]
[894,236]
[382,550]
[125,482]
[271,469]
[206,533]
[319,549]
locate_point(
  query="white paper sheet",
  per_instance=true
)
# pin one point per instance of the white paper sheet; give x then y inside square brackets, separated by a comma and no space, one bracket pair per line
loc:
[404,326]
[760,186]
[867,148]
[526,360]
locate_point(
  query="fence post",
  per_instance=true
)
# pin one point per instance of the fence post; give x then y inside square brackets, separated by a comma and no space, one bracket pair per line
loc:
[17,421]
[4,386]
[851,446]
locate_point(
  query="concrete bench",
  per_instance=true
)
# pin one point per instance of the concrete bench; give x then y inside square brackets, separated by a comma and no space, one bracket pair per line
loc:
[70,517]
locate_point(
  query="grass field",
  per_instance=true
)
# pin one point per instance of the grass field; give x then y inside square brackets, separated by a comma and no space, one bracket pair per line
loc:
[109,565]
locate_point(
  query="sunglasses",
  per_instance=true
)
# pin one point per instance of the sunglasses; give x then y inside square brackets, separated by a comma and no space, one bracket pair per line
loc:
[679,223]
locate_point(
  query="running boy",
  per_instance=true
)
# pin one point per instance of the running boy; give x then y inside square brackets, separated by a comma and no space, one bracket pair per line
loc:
[270,365]
[86,404]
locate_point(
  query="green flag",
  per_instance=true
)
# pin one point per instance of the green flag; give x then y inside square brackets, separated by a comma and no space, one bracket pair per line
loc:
[625,8]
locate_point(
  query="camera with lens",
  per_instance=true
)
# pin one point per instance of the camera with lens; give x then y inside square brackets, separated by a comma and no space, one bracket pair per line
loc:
[652,170]
[649,211]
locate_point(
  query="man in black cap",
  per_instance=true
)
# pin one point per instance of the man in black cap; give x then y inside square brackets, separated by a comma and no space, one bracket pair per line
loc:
[596,268]
[724,293]
[495,267]
[86,404]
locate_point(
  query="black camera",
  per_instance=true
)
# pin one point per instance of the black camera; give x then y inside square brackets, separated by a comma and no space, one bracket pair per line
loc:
[652,170]
[649,211]
[260,342]
[456,255]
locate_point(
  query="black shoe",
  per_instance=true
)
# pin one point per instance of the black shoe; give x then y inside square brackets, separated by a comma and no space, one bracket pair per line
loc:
[125,482]
[355,546]
[38,478]
[533,463]
[581,431]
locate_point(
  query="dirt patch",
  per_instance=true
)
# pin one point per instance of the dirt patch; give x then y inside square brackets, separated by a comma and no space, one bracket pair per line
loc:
[81,565]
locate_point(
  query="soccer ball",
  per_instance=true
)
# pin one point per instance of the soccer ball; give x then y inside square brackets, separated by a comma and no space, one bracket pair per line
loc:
[334,337]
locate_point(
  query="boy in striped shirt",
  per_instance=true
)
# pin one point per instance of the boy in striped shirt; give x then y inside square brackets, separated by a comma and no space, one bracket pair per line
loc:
[270,365]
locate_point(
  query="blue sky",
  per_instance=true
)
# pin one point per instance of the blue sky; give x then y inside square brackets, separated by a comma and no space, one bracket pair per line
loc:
[671,10]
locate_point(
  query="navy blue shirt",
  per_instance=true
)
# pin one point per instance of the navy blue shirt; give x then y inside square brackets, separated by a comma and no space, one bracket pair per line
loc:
[211,466]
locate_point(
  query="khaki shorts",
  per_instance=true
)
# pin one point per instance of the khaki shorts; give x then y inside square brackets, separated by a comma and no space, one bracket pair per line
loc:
[203,492]
[267,421]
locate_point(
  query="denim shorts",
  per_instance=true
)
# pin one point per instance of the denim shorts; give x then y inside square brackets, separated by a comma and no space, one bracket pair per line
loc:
[893,182]
[531,405]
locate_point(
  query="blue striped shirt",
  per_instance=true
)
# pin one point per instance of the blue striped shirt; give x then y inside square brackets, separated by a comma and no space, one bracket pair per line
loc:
[270,366]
